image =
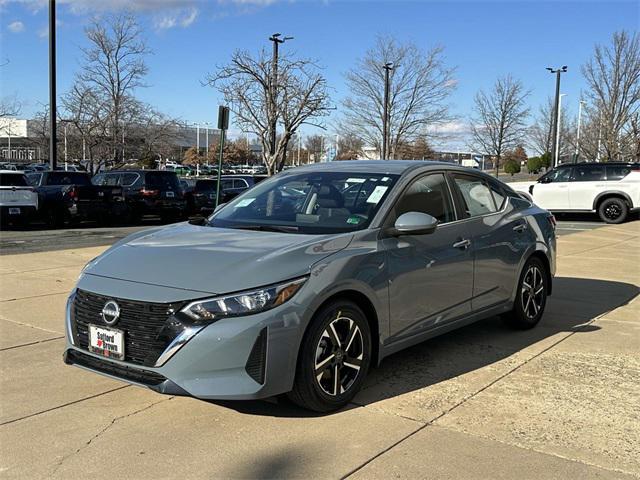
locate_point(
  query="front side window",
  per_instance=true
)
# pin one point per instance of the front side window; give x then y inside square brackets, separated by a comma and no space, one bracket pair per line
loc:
[557,175]
[476,195]
[310,202]
[428,194]
[588,173]
[111,179]
[34,179]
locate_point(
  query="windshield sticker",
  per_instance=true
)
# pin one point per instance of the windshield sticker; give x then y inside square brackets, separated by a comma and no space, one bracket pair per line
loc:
[244,202]
[354,220]
[377,194]
[355,180]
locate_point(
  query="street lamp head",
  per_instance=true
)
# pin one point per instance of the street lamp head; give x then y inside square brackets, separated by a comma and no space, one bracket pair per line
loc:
[564,68]
[274,36]
[388,66]
[288,38]
[550,69]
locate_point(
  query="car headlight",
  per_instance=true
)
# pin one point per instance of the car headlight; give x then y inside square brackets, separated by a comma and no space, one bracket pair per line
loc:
[243,303]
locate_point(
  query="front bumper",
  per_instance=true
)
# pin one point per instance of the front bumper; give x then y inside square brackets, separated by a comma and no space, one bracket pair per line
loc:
[237,358]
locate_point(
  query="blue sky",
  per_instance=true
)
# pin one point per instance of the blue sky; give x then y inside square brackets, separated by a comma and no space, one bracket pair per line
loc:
[190,37]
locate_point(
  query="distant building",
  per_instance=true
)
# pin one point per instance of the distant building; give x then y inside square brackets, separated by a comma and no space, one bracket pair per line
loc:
[23,140]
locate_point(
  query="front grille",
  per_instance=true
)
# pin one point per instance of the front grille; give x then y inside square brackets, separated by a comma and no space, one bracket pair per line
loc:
[144,377]
[141,322]
[257,361]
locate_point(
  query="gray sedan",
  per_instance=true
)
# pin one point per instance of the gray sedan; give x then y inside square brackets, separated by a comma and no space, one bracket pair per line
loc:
[303,283]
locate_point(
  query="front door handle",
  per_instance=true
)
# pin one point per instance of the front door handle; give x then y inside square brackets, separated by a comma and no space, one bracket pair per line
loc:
[464,244]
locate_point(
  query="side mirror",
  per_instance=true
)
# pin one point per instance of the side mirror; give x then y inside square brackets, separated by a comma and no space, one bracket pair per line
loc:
[545,180]
[197,220]
[414,223]
[219,207]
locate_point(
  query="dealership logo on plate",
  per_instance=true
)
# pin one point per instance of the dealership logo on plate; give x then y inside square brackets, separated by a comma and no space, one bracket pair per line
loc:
[110,312]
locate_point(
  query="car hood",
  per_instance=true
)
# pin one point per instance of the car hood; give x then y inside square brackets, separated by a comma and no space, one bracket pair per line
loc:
[213,260]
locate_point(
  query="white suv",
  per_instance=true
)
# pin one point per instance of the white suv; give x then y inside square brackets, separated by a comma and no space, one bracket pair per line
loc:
[611,189]
[18,200]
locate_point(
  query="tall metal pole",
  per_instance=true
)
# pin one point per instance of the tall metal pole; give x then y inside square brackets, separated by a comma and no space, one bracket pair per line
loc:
[65,146]
[556,113]
[275,38]
[557,133]
[53,139]
[578,135]
[385,115]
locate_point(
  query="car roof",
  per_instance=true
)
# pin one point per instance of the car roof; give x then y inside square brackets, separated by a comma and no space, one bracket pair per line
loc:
[596,164]
[15,172]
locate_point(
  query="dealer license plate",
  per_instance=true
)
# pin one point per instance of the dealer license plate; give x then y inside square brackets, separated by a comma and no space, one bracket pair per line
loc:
[14,211]
[106,341]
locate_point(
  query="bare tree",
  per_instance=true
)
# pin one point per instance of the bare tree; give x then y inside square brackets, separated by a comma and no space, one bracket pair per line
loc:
[10,106]
[114,67]
[300,97]
[613,76]
[420,85]
[540,135]
[499,124]
[349,147]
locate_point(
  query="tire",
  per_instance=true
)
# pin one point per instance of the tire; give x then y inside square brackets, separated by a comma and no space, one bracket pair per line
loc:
[613,210]
[349,356]
[531,297]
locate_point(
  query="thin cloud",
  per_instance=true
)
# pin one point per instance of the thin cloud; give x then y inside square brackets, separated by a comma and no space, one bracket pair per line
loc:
[176,18]
[16,27]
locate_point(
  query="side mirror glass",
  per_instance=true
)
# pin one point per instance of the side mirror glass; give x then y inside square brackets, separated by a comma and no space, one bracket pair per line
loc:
[545,180]
[414,223]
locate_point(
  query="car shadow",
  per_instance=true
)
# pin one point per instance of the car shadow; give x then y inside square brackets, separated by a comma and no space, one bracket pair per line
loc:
[575,303]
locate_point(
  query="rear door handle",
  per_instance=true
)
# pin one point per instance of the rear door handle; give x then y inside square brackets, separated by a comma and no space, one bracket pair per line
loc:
[464,244]
[521,227]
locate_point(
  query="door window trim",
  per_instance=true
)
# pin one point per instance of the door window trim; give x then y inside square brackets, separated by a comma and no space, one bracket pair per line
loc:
[459,194]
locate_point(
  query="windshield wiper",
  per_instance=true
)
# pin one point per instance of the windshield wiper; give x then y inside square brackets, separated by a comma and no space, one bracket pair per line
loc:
[268,228]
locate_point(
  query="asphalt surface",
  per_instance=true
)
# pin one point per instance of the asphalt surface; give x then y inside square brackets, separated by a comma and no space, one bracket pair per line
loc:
[485,401]
[34,240]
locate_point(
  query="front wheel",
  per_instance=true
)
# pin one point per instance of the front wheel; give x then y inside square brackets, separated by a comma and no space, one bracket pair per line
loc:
[613,210]
[334,358]
[531,297]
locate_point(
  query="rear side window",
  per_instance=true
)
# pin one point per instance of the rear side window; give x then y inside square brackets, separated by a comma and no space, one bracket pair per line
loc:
[68,178]
[588,173]
[428,194]
[618,172]
[206,185]
[162,180]
[476,195]
[111,179]
[98,179]
[240,183]
[128,179]
[12,180]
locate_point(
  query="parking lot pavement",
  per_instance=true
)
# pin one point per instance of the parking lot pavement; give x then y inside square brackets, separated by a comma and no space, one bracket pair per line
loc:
[559,401]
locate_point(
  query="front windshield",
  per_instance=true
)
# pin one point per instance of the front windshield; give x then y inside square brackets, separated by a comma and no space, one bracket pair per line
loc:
[310,202]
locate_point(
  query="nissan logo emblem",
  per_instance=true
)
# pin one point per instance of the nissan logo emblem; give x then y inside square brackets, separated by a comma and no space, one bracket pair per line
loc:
[110,312]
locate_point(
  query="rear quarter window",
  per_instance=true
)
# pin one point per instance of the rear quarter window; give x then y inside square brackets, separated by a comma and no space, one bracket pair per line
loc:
[618,172]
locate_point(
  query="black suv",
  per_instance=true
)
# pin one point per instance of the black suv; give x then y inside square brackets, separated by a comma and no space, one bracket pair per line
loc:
[147,192]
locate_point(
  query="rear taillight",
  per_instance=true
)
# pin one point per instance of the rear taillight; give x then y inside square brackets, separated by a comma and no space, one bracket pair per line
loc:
[149,193]
[72,193]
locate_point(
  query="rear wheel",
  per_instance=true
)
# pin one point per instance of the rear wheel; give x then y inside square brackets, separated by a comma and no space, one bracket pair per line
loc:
[613,210]
[531,297]
[334,358]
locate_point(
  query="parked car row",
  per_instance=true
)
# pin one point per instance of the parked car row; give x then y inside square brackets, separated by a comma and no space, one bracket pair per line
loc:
[120,196]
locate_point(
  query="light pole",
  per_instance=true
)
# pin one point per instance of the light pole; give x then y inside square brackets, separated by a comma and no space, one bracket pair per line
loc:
[578,134]
[53,112]
[65,146]
[385,115]
[277,39]
[556,109]
[557,132]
